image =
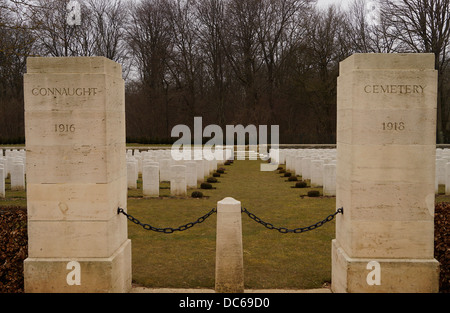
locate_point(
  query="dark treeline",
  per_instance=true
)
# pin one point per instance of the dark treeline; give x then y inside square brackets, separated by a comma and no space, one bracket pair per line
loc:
[261,62]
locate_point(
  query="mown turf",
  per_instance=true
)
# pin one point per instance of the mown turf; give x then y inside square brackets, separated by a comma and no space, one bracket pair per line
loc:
[271,259]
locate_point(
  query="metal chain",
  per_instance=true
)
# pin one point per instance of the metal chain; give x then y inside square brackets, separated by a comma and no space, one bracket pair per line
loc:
[283,230]
[299,230]
[167,230]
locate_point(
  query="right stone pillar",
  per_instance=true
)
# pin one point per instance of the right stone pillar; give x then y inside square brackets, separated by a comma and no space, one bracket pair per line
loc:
[386,135]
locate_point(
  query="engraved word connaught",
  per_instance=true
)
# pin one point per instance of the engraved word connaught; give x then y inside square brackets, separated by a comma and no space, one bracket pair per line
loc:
[64,91]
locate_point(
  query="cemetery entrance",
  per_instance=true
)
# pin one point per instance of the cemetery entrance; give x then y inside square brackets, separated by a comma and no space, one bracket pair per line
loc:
[77,177]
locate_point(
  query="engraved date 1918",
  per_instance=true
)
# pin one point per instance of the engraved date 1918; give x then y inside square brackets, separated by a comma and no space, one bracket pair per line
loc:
[393,126]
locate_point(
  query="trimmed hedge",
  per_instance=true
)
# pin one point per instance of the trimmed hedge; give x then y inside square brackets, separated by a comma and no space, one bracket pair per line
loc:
[206,186]
[197,194]
[314,193]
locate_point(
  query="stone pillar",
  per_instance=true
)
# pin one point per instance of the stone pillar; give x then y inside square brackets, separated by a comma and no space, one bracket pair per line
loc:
[229,251]
[150,181]
[386,134]
[76,176]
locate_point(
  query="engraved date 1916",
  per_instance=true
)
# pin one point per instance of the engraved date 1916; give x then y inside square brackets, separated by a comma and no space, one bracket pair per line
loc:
[64,128]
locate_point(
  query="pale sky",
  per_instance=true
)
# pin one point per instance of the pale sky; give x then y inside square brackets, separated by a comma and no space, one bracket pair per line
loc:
[325,3]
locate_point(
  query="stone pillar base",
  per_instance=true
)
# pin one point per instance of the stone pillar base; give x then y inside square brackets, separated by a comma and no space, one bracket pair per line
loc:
[397,275]
[97,275]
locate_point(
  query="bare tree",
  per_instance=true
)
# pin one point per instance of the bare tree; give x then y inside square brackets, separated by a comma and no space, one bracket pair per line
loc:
[150,41]
[277,25]
[185,63]
[241,44]
[424,26]
[211,14]
[16,43]
[54,35]
[324,54]
[109,21]
[368,36]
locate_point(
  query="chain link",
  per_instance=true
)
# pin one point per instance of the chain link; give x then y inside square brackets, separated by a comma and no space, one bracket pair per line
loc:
[299,230]
[167,230]
[283,230]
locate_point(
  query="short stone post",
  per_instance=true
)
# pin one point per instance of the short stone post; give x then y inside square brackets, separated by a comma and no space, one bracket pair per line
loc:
[229,252]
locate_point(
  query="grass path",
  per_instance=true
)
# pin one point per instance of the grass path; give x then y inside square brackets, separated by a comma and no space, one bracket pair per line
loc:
[271,260]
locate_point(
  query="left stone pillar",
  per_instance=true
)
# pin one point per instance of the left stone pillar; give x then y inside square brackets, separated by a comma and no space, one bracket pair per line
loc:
[76,176]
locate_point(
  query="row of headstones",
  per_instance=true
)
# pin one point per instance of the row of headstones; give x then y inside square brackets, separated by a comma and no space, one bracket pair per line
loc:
[157,166]
[316,165]
[12,163]
[442,170]
[319,166]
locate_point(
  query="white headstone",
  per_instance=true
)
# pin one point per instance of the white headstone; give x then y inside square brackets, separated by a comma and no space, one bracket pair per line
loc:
[3,164]
[2,181]
[131,174]
[440,170]
[200,171]
[447,178]
[178,180]
[191,174]
[150,181]
[329,180]
[164,169]
[17,175]
[306,168]
[298,165]
[316,173]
